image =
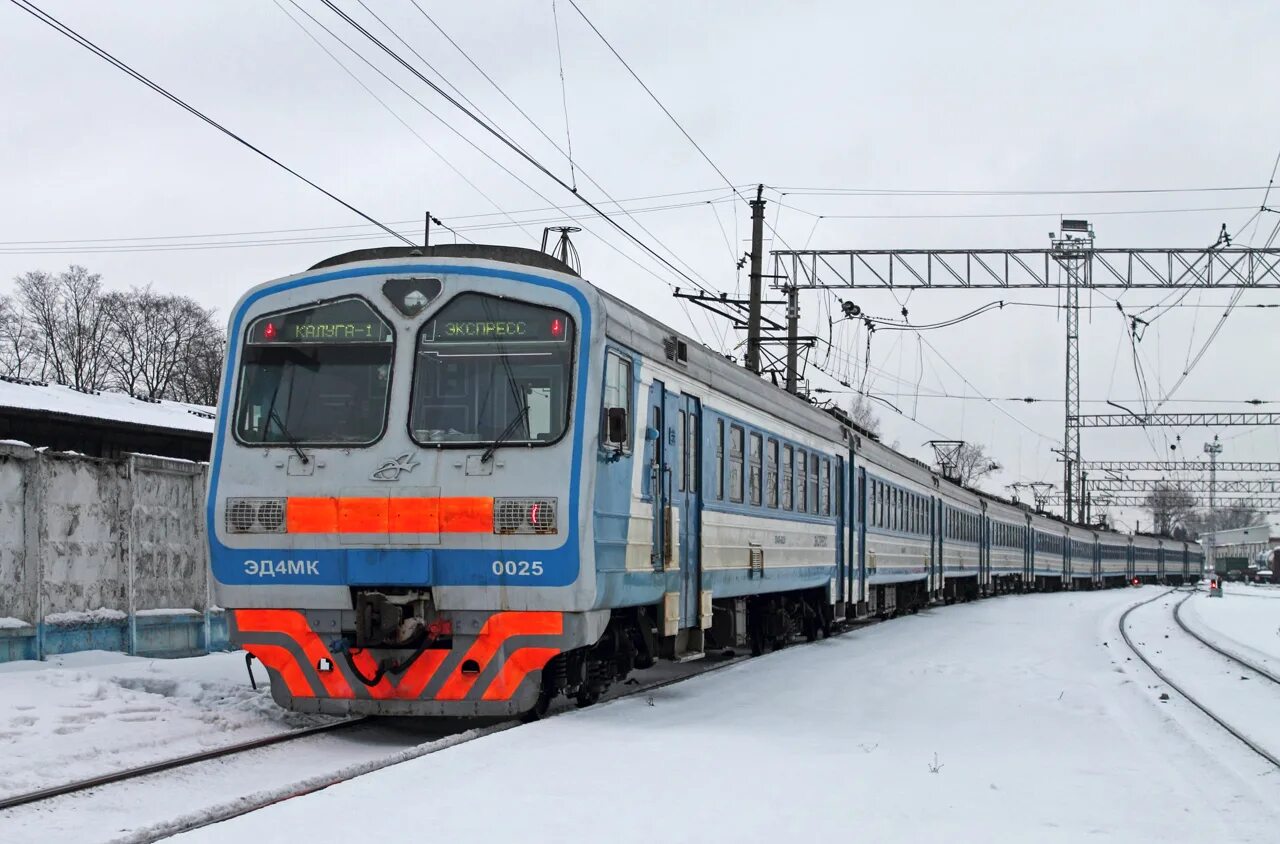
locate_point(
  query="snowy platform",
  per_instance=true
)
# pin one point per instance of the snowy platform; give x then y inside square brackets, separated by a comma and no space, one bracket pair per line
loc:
[1019,719]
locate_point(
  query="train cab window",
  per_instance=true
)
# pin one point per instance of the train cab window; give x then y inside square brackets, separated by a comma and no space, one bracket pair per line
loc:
[492,370]
[617,393]
[788,464]
[754,458]
[735,463]
[315,376]
[802,475]
[771,475]
[824,496]
[720,460]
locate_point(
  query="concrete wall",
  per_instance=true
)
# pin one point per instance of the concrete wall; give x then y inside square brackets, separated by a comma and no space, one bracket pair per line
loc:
[103,554]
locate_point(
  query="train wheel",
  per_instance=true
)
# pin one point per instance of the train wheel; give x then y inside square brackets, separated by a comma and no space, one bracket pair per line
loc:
[586,697]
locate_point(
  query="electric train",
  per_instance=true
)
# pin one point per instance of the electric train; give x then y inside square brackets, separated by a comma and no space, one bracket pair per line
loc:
[461,481]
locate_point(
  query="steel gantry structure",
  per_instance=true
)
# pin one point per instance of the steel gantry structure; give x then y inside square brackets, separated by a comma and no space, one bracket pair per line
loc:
[1070,263]
[1177,466]
[1261,502]
[1104,485]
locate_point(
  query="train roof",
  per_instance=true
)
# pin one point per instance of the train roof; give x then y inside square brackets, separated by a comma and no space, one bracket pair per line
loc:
[476,251]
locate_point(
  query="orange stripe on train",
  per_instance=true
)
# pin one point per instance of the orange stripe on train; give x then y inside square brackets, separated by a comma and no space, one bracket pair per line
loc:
[390,515]
[495,632]
[293,624]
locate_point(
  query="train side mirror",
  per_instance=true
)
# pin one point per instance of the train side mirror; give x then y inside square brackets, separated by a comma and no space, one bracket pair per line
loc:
[616,426]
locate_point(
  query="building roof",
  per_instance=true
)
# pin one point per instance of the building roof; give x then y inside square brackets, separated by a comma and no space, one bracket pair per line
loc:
[58,400]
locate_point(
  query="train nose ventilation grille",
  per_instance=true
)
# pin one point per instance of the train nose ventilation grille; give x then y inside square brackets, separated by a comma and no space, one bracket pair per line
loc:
[524,515]
[255,515]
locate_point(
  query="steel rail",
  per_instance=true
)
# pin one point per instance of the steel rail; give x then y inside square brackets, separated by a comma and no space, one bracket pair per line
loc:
[1234,657]
[1185,694]
[169,764]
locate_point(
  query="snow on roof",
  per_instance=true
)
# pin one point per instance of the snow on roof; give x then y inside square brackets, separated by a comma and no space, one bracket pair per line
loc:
[114,407]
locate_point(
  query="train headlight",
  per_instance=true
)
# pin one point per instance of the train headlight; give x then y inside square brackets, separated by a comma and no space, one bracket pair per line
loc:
[524,515]
[255,515]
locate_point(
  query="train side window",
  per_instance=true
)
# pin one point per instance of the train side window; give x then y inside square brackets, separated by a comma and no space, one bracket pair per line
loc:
[754,457]
[813,483]
[683,457]
[788,469]
[617,393]
[720,460]
[802,474]
[771,475]
[824,496]
[736,435]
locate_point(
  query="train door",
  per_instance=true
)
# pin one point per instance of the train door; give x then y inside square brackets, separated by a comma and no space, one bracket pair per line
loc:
[860,509]
[842,535]
[984,553]
[684,414]
[659,486]
[936,549]
[1028,555]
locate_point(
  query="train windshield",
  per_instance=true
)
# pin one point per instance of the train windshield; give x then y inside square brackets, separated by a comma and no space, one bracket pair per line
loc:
[492,370]
[315,376]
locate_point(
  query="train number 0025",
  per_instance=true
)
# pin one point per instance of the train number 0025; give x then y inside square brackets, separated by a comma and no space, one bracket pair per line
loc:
[517,568]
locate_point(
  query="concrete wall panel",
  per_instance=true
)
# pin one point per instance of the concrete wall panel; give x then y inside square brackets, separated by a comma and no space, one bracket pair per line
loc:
[84,533]
[18,578]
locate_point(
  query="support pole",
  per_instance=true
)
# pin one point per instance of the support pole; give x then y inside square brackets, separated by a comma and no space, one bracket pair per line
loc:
[1213,449]
[793,343]
[426,231]
[757,293]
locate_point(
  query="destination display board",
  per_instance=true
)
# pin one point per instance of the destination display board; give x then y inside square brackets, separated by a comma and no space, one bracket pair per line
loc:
[334,323]
[474,319]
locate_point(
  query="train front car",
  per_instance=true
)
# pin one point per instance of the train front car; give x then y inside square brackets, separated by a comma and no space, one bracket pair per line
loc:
[395,492]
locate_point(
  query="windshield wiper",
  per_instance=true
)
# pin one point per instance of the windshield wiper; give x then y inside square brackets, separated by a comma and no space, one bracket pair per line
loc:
[289,438]
[506,432]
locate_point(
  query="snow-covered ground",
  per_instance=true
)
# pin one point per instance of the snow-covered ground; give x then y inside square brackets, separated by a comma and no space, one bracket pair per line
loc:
[94,712]
[1017,719]
[1244,621]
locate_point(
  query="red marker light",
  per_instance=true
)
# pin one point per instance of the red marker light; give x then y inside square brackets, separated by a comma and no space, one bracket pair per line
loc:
[270,331]
[557,328]
[533,514]
[440,627]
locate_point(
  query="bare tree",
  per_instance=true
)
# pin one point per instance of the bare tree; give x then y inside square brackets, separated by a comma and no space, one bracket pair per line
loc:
[201,371]
[154,337]
[1170,505]
[863,415]
[66,310]
[973,464]
[19,343]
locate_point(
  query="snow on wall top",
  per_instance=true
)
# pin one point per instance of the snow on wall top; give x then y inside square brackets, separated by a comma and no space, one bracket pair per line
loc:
[115,407]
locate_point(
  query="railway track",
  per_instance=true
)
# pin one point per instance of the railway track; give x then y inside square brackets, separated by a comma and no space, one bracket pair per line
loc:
[1181,689]
[169,764]
[1231,655]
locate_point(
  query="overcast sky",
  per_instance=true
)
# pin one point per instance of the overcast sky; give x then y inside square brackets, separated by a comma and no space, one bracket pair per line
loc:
[894,96]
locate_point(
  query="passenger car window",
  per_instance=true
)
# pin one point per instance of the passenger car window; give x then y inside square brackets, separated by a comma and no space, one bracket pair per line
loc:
[617,393]
[788,462]
[754,467]
[735,463]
